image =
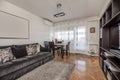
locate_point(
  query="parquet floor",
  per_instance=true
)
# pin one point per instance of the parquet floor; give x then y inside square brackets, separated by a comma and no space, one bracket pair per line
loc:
[86,67]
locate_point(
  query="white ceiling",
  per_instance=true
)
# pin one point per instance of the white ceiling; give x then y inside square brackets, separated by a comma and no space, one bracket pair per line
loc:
[73,8]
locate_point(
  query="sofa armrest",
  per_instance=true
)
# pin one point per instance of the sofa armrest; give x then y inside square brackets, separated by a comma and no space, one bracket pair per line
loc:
[44,49]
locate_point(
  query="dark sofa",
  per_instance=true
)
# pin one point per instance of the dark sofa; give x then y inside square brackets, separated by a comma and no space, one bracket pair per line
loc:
[13,69]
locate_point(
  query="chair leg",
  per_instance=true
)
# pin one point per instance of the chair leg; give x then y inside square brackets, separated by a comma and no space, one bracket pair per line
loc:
[58,52]
[69,52]
[66,52]
[62,52]
[53,53]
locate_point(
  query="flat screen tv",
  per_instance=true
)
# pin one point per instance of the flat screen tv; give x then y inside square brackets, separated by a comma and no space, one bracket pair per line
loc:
[115,37]
[115,40]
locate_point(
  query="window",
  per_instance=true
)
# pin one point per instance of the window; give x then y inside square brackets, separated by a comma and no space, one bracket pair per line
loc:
[80,42]
[71,35]
[76,35]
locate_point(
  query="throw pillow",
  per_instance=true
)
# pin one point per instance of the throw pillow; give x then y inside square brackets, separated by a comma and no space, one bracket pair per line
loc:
[38,48]
[19,51]
[31,49]
[6,55]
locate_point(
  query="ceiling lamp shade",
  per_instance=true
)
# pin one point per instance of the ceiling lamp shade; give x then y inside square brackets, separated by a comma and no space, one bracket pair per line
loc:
[59,12]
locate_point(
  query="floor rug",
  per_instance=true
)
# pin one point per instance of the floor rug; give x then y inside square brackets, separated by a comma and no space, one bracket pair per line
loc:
[53,70]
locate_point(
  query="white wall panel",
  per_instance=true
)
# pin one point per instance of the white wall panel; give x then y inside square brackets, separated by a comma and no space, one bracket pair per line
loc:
[12,26]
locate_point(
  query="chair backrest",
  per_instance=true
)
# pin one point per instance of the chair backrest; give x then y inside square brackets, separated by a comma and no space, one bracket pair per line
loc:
[51,45]
[60,42]
[46,44]
[68,46]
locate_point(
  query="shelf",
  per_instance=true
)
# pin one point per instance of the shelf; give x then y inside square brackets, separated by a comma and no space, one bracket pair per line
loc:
[115,7]
[104,49]
[113,20]
[116,74]
[109,37]
[117,54]
[112,53]
[112,14]
[109,13]
[114,61]
[113,69]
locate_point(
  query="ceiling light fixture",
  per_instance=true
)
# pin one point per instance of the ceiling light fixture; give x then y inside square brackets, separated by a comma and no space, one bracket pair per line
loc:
[59,12]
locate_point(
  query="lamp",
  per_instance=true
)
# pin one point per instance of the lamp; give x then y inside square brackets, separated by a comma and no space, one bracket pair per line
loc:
[59,12]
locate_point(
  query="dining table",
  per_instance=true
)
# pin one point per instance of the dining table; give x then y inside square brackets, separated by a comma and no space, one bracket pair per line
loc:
[61,46]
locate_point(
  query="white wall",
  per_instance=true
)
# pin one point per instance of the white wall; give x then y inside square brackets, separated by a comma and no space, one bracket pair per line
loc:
[39,29]
[92,38]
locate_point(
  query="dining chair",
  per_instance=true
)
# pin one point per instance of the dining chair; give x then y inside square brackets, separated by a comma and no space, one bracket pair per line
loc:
[46,44]
[67,48]
[52,48]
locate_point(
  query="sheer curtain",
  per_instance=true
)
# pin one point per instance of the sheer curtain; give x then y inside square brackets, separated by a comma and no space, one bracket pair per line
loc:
[77,35]
[80,42]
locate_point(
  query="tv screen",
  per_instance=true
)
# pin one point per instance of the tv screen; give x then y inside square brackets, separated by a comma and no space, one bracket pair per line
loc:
[115,37]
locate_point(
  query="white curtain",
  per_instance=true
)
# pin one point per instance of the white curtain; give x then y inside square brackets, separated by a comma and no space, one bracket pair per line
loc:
[76,34]
[80,42]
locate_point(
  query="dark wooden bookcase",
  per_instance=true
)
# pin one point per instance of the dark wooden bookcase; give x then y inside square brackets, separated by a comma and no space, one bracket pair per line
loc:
[110,61]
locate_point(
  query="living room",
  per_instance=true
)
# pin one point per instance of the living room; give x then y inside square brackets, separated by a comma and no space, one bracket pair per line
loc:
[59,40]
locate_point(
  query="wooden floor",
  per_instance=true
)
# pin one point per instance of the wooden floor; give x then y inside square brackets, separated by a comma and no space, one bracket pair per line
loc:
[86,67]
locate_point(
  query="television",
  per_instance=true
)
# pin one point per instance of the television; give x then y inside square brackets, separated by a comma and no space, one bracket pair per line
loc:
[115,39]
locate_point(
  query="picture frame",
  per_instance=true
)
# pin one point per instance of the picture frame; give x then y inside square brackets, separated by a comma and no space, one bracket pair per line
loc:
[92,30]
[8,30]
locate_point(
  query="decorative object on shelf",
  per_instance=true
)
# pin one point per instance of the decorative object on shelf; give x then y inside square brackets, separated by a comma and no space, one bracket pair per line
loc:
[92,30]
[59,12]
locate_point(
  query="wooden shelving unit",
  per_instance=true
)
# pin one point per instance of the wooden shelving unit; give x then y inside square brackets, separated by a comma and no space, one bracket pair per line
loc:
[109,61]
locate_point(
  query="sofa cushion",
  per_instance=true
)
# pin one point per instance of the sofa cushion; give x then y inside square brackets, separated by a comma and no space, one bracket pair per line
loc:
[19,51]
[34,58]
[5,65]
[19,60]
[43,53]
[4,68]
[31,49]
[12,66]
[23,62]
[6,55]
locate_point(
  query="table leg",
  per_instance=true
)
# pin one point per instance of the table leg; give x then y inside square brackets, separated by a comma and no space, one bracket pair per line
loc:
[53,51]
[62,52]
[66,52]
